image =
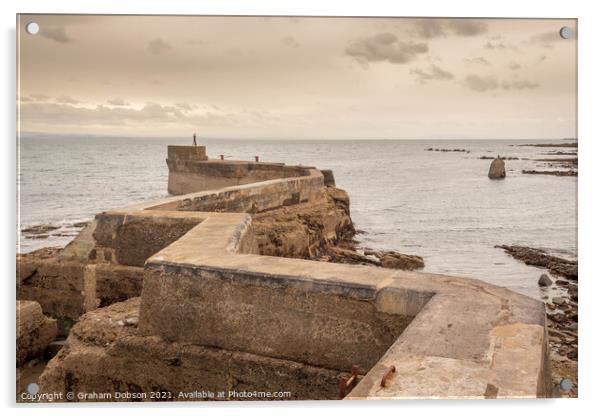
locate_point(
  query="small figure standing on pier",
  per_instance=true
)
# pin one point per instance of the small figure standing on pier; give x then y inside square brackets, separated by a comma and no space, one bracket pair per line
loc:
[194,139]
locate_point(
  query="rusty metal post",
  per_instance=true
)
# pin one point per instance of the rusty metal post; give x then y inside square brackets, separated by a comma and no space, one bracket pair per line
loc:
[383,381]
[346,382]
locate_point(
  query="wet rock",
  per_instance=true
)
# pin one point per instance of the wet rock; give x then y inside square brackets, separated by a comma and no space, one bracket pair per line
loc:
[34,331]
[551,172]
[558,317]
[321,231]
[544,280]
[394,260]
[570,144]
[559,301]
[430,149]
[539,258]
[350,256]
[573,292]
[40,229]
[497,169]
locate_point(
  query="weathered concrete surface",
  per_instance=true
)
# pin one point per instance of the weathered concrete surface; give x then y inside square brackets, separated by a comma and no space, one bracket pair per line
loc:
[65,289]
[105,354]
[209,290]
[196,153]
[116,283]
[34,331]
[131,239]
[189,174]
[250,198]
[464,320]
[236,312]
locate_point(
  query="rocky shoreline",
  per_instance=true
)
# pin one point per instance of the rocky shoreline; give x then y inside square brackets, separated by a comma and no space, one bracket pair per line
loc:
[431,149]
[562,311]
[322,232]
[551,172]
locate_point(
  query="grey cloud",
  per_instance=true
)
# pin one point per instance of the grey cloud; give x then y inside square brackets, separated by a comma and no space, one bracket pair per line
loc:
[519,85]
[481,84]
[467,27]
[432,28]
[64,99]
[547,37]
[479,60]
[514,66]
[51,113]
[290,41]
[184,106]
[120,102]
[43,114]
[56,33]
[436,73]
[40,97]
[158,46]
[493,45]
[385,47]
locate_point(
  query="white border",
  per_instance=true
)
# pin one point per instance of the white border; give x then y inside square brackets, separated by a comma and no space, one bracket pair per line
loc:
[589,186]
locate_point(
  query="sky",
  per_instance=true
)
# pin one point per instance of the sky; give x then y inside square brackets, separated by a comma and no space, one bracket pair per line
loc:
[297,77]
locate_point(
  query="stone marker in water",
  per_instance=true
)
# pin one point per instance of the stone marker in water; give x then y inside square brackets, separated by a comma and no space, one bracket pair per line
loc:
[497,169]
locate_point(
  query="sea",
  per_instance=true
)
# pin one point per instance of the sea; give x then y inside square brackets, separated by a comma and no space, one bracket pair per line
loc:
[438,205]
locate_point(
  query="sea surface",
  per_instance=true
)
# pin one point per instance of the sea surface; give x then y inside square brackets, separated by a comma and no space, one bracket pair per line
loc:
[439,205]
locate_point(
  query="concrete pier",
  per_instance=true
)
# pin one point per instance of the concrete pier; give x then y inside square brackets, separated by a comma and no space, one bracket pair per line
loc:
[209,297]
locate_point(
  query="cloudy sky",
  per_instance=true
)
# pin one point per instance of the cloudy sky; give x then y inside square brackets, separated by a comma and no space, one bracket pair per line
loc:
[282,77]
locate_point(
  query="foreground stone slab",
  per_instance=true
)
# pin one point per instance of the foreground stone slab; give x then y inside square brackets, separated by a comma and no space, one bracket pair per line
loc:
[34,331]
[106,354]
[64,289]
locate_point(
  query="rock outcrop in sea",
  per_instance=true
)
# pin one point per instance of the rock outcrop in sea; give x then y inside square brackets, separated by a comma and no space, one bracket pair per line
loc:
[497,169]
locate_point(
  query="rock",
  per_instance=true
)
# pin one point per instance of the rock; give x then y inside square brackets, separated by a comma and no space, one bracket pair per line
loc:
[497,169]
[34,331]
[349,256]
[328,177]
[41,229]
[54,347]
[544,280]
[551,172]
[394,260]
[558,317]
[133,321]
[558,300]
[305,230]
[539,258]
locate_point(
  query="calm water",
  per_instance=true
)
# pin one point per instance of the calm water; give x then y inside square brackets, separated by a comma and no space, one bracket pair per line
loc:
[438,205]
